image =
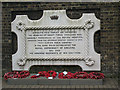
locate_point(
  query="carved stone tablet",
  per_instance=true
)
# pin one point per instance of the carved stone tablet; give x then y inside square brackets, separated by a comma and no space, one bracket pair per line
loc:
[56,40]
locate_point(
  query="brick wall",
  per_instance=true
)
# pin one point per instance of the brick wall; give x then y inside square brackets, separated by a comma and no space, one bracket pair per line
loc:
[106,41]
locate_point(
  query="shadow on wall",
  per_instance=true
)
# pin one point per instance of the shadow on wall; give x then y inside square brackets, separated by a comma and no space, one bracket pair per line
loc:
[57,68]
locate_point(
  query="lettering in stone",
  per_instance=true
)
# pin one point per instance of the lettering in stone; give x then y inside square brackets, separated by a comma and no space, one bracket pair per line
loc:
[54,42]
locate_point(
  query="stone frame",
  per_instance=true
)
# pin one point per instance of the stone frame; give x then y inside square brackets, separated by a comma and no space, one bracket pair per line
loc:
[21,24]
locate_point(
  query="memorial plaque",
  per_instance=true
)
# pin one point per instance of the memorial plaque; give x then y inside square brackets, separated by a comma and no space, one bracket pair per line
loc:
[56,40]
[56,44]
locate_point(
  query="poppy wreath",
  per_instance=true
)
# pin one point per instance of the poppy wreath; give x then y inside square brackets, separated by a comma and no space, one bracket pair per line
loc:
[51,74]
[40,74]
[15,74]
[8,75]
[95,75]
[35,76]
[81,75]
[69,75]
[45,74]
[24,74]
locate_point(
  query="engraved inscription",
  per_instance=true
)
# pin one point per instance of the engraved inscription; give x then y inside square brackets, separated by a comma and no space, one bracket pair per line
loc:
[54,43]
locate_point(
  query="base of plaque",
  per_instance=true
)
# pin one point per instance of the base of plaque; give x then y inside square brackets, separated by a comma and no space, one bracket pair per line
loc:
[40,81]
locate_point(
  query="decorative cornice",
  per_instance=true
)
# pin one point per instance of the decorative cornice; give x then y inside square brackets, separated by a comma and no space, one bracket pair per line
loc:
[54,17]
[88,25]
[22,62]
[20,25]
[89,61]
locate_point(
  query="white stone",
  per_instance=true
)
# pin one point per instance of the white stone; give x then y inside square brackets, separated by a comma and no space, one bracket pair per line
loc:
[50,77]
[73,41]
[37,74]
[65,72]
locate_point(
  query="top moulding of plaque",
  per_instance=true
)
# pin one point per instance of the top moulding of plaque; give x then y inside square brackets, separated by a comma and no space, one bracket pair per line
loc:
[61,19]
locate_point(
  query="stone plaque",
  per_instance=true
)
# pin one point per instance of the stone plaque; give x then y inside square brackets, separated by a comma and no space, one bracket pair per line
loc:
[56,39]
[54,44]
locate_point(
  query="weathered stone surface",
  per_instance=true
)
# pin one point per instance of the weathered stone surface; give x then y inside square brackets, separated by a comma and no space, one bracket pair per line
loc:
[55,36]
[54,82]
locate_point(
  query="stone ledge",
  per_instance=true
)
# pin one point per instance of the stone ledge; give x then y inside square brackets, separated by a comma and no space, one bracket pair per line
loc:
[54,82]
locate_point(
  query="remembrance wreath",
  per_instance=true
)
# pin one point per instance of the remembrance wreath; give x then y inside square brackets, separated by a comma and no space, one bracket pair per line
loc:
[69,75]
[15,74]
[81,75]
[62,75]
[45,74]
[96,75]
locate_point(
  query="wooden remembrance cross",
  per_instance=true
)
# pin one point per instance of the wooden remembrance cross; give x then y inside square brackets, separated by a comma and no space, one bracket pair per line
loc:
[56,39]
